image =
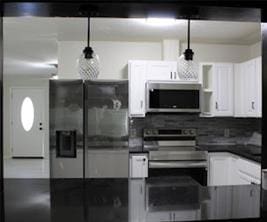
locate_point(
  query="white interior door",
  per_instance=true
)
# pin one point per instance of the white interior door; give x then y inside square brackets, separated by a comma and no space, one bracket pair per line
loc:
[27,122]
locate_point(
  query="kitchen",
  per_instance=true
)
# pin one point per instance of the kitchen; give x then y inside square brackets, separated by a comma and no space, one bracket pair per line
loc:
[227,156]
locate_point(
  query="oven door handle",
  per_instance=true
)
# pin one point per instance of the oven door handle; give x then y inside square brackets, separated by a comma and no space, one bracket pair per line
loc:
[178,164]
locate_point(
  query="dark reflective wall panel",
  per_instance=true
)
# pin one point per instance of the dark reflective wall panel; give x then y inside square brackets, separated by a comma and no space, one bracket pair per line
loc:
[1,122]
[67,203]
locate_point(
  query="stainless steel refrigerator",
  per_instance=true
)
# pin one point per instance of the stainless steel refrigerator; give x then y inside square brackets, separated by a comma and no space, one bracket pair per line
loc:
[88,129]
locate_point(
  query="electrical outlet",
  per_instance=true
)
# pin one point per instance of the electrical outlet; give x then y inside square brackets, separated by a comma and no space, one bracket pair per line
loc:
[226,132]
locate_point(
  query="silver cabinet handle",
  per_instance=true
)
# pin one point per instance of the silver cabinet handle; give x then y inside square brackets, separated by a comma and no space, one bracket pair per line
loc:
[173,216]
[253,105]
[171,75]
[216,105]
[175,75]
[141,103]
[170,216]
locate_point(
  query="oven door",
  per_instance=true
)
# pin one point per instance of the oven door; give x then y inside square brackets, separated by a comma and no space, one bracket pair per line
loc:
[197,170]
[172,97]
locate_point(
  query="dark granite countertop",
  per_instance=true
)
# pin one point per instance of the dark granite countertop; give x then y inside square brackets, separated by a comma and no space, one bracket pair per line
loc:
[250,152]
[122,200]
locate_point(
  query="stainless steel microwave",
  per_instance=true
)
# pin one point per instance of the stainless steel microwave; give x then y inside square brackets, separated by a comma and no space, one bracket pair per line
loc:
[173,97]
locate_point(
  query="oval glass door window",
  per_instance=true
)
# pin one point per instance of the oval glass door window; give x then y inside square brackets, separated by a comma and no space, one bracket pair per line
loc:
[27,114]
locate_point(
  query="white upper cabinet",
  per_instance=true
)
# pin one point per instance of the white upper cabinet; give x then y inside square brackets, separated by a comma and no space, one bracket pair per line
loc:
[141,71]
[217,92]
[248,87]
[137,79]
[162,70]
[223,89]
[239,90]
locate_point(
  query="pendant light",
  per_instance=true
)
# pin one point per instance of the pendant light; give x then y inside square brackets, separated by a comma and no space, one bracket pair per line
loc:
[187,69]
[88,61]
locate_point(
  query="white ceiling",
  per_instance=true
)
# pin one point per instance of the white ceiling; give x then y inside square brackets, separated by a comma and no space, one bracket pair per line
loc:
[30,44]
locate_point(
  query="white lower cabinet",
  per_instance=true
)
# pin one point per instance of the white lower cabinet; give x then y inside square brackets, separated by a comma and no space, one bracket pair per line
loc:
[219,169]
[229,169]
[220,204]
[137,211]
[248,208]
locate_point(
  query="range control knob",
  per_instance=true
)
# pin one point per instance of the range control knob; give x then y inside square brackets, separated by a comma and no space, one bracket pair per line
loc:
[192,132]
[186,132]
[148,132]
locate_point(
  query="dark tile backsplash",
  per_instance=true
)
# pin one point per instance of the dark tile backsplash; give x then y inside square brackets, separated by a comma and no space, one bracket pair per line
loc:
[221,130]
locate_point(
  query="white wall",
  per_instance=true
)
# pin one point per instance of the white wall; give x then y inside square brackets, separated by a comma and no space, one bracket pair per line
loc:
[170,49]
[113,56]
[219,52]
[22,81]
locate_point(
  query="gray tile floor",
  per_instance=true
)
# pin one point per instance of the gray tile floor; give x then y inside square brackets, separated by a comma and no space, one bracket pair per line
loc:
[26,168]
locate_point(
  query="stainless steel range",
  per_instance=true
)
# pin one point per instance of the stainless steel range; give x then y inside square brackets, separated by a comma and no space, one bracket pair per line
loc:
[174,152]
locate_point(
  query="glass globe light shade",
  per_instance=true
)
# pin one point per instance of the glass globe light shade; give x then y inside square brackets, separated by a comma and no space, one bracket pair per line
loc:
[89,67]
[187,69]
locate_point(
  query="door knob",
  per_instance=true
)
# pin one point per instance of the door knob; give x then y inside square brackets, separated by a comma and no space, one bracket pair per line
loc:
[40,128]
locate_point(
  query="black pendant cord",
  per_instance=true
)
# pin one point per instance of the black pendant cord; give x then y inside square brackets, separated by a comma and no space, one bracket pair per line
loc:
[88,32]
[188,52]
[188,34]
[88,51]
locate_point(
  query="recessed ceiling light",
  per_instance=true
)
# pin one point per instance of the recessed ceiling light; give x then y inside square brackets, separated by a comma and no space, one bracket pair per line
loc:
[161,21]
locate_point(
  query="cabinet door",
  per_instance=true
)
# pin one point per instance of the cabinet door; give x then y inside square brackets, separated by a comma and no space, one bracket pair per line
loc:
[223,89]
[137,200]
[258,98]
[253,87]
[161,70]
[246,202]
[137,78]
[220,203]
[218,169]
[239,90]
